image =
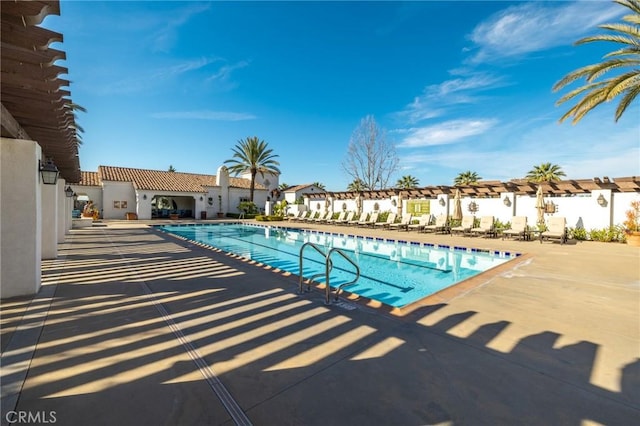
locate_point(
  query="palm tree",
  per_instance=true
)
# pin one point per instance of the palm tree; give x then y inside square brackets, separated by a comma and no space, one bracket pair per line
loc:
[407,182]
[545,172]
[253,154]
[356,186]
[171,168]
[77,129]
[626,84]
[466,178]
[283,186]
[319,185]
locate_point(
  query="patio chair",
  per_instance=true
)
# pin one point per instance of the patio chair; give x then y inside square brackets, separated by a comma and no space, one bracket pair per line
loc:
[373,218]
[302,217]
[557,229]
[486,227]
[362,218]
[403,224]
[518,228]
[390,219]
[340,217]
[346,219]
[295,216]
[323,217]
[422,222]
[439,226]
[465,226]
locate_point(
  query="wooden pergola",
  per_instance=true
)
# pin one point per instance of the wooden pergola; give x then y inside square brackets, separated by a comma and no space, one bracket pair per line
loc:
[493,189]
[36,103]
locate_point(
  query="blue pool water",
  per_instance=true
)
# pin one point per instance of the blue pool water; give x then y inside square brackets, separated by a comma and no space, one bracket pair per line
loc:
[393,272]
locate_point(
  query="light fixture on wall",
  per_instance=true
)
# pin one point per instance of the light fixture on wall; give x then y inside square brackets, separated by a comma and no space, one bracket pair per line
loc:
[507,201]
[442,202]
[601,200]
[49,172]
[68,192]
[201,198]
[473,207]
[144,196]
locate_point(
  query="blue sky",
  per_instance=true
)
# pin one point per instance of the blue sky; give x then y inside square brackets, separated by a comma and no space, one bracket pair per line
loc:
[457,85]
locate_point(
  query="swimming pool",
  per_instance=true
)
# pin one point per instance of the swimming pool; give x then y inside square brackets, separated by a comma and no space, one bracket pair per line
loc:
[394,272]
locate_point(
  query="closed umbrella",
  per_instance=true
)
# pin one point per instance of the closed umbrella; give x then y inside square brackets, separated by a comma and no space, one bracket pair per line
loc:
[540,205]
[327,203]
[457,206]
[359,203]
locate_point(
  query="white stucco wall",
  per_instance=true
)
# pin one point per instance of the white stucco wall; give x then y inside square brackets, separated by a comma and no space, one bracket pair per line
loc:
[20,220]
[49,218]
[116,191]
[62,210]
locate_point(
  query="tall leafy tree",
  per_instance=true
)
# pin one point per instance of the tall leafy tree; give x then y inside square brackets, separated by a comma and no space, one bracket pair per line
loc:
[621,65]
[466,178]
[545,172]
[370,157]
[356,186]
[254,155]
[407,182]
[319,185]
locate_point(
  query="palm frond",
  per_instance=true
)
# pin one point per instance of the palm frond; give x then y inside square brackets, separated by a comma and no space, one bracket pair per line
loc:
[627,99]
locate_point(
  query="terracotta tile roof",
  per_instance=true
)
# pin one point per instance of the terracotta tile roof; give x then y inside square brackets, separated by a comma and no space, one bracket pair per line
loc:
[89,179]
[158,180]
[298,187]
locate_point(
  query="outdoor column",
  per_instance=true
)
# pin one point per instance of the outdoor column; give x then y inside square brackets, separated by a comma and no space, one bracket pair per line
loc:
[62,209]
[49,214]
[20,235]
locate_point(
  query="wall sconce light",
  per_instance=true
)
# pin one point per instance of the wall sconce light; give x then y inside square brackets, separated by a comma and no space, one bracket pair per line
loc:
[394,203]
[549,207]
[507,201]
[68,192]
[49,172]
[144,196]
[473,207]
[201,198]
[601,200]
[442,202]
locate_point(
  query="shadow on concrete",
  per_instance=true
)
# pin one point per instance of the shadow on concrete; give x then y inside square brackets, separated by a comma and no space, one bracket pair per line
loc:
[107,356]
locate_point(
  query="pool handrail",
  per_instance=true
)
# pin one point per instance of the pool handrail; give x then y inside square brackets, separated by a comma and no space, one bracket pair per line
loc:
[301,274]
[328,267]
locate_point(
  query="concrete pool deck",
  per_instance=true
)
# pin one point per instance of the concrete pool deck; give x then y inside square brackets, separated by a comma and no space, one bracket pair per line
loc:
[135,327]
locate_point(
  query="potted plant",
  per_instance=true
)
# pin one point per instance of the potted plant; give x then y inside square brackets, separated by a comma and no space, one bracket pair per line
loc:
[632,224]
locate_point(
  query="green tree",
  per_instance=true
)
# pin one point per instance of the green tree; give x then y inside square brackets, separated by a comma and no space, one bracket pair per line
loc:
[625,83]
[356,186]
[466,178]
[319,185]
[283,186]
[254,155]
[407,182]
[171,168]
[545,172]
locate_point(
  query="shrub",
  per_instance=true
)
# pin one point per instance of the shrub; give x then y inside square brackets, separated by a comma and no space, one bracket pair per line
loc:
[606,235]
[269,218]
[248,207]
[579,234]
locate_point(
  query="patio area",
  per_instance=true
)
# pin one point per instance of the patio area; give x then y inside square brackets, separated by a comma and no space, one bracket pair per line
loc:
[135,327]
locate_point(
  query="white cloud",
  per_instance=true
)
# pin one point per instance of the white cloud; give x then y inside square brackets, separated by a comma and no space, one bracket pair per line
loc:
[436,99]
[532,27]
[165,37]
[205,115]
[445,133]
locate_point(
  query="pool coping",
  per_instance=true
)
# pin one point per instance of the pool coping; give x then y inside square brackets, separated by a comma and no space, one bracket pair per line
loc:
[441,296]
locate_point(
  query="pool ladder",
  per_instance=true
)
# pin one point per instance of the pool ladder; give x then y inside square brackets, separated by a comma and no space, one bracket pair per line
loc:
[328,266]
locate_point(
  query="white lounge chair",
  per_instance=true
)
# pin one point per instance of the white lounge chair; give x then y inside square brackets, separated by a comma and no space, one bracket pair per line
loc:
[301,217]
[518,228]
[422,222]
[346,219]
[340,217]
[403,224]
[373,218]
[486,226]
[465,226]
[439,226]
[390,219]
[362,218]
[557,229]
